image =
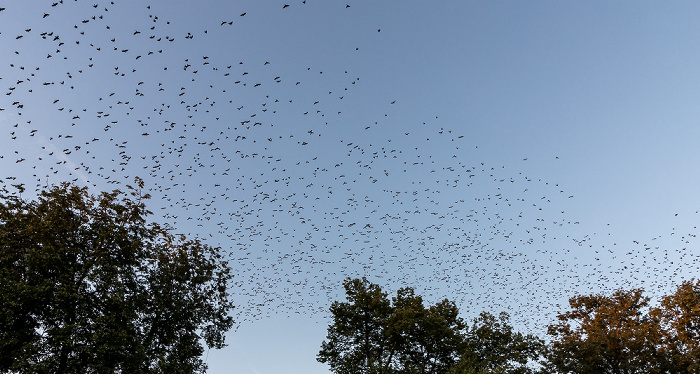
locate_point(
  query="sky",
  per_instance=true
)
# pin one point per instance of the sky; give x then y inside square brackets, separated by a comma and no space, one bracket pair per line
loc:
[505,155]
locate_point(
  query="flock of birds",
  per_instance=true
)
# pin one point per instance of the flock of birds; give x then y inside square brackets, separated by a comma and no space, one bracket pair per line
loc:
[282,167]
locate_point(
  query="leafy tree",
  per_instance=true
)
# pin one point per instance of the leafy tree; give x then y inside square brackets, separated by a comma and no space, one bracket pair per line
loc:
[356,341]
[491,346]
[371,334]
[88,286]
[610,334]
[680,319]
[425,340]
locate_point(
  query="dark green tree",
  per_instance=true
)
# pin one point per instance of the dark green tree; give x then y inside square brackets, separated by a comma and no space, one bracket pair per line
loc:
[425,340]
[87,285]
[357,340]
[371,334]
[492,346]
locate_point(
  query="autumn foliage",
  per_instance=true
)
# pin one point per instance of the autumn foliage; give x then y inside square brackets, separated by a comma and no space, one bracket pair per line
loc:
[679,315]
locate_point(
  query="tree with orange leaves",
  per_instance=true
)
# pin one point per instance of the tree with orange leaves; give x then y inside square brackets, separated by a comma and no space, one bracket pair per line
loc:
[613,334]
[680,320]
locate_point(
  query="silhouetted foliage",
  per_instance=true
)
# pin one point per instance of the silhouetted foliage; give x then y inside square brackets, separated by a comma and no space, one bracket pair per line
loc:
[370,334]
[491,346]
[87,285]
[424,339]
[357,341]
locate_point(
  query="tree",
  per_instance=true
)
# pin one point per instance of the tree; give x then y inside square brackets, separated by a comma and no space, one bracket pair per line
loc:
[425,340]
[610,334]
[680,319]
[371,334]
[87,286]
[491,346]
[356,341]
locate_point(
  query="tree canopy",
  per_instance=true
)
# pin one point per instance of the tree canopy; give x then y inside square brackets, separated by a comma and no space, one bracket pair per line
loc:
[616,333]
[622,333]
[371,334]
[88,285]
[492,346]
[357,340]
[679,314]
[607,334]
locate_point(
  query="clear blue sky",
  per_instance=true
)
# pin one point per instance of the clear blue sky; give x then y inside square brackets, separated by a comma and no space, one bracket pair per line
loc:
[502,154]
